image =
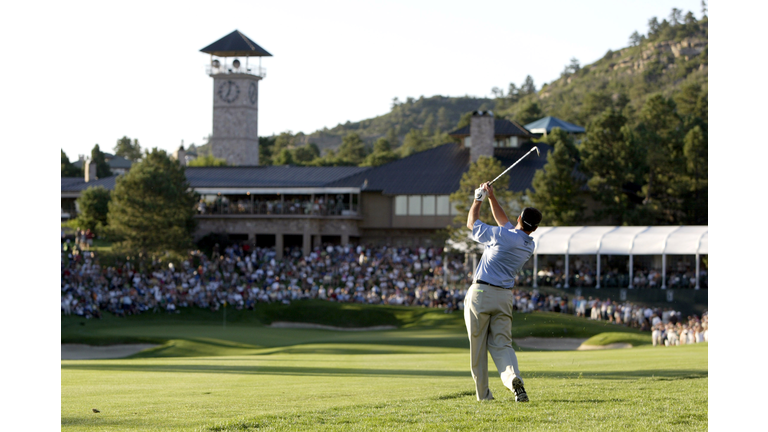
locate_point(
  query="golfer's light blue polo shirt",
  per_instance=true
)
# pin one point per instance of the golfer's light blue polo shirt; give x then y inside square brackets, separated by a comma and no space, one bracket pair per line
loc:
[506,250]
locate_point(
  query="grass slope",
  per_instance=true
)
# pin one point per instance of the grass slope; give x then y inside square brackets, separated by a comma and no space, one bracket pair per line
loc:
[197,332]
[247,376]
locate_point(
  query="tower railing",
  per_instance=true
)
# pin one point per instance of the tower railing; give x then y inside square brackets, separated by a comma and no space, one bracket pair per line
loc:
[229,69]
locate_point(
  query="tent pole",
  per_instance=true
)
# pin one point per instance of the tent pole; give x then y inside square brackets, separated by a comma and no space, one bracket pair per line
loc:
[697,272]
[597,285]
[631,270]
[663,271]
[535,273]
[566,271]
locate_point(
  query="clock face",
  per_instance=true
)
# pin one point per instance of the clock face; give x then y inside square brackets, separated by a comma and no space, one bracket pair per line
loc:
[229,91]
[253,93]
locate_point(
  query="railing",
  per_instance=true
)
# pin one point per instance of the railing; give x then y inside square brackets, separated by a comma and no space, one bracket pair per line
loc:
[229,69]
[226,206]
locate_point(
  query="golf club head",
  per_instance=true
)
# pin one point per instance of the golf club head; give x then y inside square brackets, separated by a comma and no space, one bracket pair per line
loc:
[537,150]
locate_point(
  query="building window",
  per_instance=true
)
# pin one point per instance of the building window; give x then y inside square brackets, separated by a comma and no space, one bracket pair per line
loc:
[414,205]
[443,205]
[428,204]
[401,205]
[513,141]
[467,142]
[454,210]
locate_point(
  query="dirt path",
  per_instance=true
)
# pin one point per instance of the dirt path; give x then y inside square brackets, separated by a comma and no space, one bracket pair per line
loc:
[89,352]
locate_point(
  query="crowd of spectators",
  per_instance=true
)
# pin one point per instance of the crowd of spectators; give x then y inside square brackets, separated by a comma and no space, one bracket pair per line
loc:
[582,275]
[241,277]
[668,326]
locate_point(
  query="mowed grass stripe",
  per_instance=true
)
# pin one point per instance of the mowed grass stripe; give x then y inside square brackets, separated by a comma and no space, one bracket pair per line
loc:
[631,389]
[247,376]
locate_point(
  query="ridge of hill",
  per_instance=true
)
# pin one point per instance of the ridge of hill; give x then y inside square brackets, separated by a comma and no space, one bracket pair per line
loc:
[670,56]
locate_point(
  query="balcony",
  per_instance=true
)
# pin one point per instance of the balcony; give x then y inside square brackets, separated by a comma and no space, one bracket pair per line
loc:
[255,70]
[341,205]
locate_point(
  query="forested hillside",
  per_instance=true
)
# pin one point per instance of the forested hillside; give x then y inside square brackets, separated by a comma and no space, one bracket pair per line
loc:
[642,161]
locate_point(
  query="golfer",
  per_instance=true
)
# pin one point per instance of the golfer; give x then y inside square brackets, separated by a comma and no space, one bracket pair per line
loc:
[488,303]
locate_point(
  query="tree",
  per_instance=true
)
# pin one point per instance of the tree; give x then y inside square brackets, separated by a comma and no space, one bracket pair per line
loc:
[696,154]
[207,161]
[352,149]
[382,153]
[703,8]
[635,39]
[594,104]
[485,169]
[283,158]
[93,205]
[676,16]
[528,87]
[102,167]
[414,142]
[612,162]
[67,168]
[306,153]
[689,101]
[528,113]
[127,149]
[574,66]
[556,190]
[152,208]
[653,26]
[659,132]
[266,145]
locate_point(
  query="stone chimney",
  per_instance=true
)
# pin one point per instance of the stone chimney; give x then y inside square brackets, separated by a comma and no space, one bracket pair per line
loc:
[481,127]
[89,167]
[181,155]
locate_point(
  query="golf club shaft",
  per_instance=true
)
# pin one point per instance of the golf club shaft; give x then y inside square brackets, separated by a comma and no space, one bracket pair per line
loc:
[511,166]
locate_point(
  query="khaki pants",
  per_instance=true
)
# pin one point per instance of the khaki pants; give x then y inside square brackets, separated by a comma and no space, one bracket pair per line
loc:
[488,316]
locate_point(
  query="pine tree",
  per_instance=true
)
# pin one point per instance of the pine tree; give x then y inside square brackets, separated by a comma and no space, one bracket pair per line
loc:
[556,189]
[612,162]
[128,149]
[152,208]
[93,206]
[659,132]
[382,153]
[102,167]
[67,168]
[352,150]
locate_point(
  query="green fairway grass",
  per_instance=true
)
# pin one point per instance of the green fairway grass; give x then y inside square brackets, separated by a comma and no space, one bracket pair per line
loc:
[248,376]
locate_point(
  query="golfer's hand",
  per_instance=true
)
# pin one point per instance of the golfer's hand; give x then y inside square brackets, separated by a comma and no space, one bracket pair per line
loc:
[489,189]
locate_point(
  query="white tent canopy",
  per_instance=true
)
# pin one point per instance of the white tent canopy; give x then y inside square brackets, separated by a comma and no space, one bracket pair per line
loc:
[619,240]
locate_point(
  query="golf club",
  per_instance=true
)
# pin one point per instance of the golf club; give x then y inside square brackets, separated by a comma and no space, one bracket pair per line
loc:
[481,193]
[518,161]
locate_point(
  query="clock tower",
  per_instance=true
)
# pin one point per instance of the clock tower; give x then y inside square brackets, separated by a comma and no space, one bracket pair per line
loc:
[236,79]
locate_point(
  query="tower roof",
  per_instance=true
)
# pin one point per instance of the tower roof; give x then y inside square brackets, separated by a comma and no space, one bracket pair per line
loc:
[549,123]
[235,44]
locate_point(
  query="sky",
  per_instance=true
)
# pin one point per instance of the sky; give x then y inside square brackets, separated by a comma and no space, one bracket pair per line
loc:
[134,68]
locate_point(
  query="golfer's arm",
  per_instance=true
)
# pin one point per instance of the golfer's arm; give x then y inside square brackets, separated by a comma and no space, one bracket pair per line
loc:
[498,213]
[474,213]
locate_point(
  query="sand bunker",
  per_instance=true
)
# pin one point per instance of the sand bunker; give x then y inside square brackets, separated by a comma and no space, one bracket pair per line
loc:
[609,346]
[90,352]
[281,324]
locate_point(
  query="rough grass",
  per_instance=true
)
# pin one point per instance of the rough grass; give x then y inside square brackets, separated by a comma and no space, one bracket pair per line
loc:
[616,337]
[250,377]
